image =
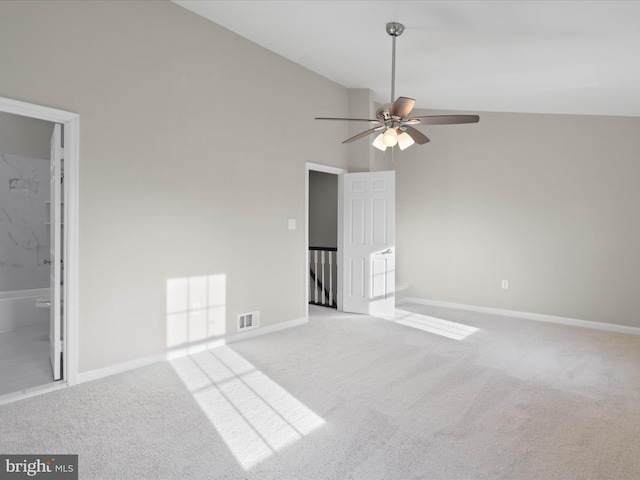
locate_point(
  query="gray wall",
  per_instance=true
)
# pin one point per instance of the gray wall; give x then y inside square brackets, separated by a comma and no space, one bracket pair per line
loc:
[25,136]
[185,168]
[323,209]
[547,202]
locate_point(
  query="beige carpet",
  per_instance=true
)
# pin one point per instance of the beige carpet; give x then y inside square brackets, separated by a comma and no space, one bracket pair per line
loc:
[439,394]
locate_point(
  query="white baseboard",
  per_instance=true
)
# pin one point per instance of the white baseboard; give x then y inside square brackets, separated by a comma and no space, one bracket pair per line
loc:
[32,392]
[609,327]
[186,350]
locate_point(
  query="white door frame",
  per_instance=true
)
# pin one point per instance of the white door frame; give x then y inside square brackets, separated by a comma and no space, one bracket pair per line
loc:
[71,122]
[316,167]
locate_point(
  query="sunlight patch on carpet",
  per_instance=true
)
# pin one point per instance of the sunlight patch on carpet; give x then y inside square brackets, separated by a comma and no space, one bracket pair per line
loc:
[445,328]
[255,416]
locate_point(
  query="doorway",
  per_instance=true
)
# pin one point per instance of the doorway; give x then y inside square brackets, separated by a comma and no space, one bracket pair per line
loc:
[24,258]
[321,274]
[365,239]
[35,199]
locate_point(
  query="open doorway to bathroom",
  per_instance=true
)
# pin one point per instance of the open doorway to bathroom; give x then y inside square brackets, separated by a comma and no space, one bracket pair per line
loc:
[26,199]
[62,299]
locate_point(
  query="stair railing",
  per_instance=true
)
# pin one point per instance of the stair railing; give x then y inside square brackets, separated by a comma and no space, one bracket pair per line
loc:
[323,269]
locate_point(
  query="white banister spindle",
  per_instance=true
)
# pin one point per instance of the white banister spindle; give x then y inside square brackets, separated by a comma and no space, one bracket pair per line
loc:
[315,271]
[322,295]
[322,268]
[311,279]
[330,277]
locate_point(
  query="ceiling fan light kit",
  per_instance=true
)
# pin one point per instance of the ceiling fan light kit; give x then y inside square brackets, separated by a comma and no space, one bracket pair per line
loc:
[405,140]
[393,121]
[390,137]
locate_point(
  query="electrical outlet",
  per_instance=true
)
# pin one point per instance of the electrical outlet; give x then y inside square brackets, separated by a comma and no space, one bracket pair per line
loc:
[505,284]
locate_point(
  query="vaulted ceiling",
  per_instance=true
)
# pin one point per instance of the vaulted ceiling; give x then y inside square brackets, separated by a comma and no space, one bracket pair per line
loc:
[576,57]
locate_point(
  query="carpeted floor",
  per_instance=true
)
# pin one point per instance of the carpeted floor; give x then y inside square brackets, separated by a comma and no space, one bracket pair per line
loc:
[439,394]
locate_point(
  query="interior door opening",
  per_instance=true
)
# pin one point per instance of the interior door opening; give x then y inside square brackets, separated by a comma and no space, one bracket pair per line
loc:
[39,284]
[30,193]
[323,239]
[321,269]
[356,213]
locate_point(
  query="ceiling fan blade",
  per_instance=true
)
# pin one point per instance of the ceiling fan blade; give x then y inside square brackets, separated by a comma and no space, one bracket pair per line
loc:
[445,119]
[418,137]
[349,119]
[363,134]
[402,107]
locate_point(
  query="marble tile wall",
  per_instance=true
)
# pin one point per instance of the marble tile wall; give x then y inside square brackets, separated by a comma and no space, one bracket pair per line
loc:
[24,230]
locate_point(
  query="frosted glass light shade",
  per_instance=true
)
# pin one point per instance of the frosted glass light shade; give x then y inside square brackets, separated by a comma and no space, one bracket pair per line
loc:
[390,137]
[378,143]
[405,140]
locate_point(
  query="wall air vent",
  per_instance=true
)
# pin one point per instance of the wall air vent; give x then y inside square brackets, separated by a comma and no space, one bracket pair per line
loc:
[247,321]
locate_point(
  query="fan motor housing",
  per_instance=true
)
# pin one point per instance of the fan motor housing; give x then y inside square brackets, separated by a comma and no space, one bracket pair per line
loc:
[395,29]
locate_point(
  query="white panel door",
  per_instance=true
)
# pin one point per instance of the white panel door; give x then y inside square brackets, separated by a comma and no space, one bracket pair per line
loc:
[55,276]
[367,242]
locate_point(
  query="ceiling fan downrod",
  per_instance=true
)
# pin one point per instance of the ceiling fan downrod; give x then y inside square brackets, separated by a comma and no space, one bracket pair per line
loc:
[394,29]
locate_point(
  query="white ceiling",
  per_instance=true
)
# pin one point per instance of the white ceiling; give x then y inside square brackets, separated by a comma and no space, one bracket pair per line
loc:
[573,56]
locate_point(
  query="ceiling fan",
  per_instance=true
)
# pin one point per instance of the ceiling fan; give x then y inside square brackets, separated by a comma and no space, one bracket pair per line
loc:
[393,120]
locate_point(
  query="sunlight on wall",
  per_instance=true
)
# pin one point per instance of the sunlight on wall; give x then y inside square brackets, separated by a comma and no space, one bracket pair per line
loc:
[196,308]
[445,328]
[254,415]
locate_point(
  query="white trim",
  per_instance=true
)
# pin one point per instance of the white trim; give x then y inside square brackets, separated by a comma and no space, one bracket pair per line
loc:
[32,392]
[32,110]
[316,167]
[99,373]
[71,245]
[538,317]
[71,122]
